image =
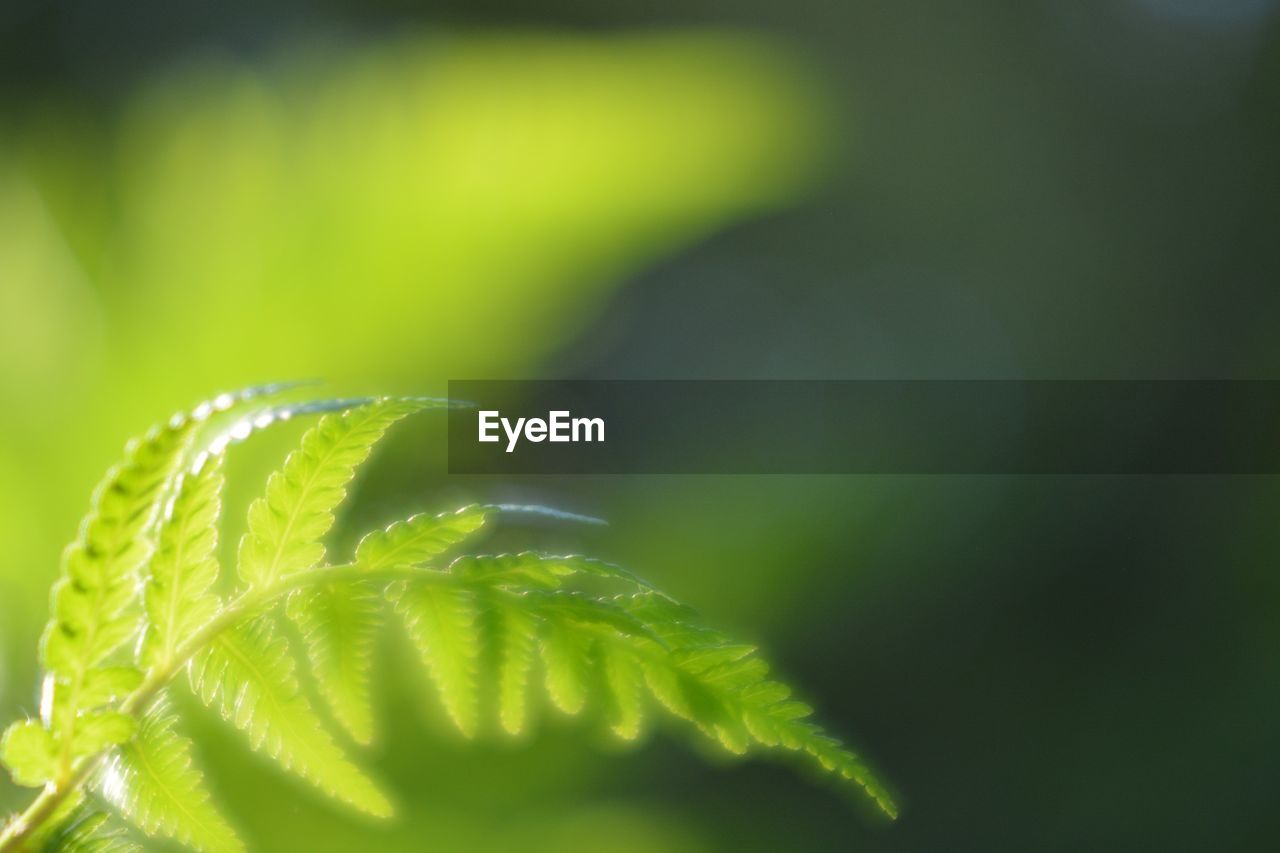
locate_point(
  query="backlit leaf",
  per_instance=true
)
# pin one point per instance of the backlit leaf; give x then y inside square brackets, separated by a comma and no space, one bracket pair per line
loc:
[420,538]
[442,622]
[517,633]
[287,524]
[248,675]
[339,622]
[179,597]
[153,781]
[30,752]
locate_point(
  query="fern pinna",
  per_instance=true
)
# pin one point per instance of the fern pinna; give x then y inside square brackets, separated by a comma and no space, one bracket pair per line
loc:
[137,603]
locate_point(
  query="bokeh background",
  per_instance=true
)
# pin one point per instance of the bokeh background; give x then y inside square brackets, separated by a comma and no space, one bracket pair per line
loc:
[387,195]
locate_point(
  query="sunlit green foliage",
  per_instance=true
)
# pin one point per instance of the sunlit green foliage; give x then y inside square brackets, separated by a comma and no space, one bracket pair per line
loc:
[153,782]
[83,829]
[138,602]
[339,621]
[248,674]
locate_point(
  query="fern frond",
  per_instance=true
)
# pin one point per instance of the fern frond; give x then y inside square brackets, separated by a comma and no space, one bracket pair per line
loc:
[153,782]
[419,539]
[179,595]
[94,608]
[604,637]
[182,574]
[249,674]
[287,524]
[634,643]
[338,622]
[442,622]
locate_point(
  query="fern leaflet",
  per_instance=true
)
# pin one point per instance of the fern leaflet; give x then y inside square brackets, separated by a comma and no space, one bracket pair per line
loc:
[178,598]
[249,675]
[564,656]
[517,632]
[339,622]
[31,753]
[287,524]
[625,679]
[725,688]
[442,621]
[153,782]
[419,539]
[86,830]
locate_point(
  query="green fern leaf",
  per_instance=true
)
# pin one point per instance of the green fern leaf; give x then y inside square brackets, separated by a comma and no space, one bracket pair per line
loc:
[93,602]
[565,659]
[724,688]
[419,539]
[539,570]
[30,752]
[339,622]
[90,617]
[664,683]
[577,565]
[517,638]
[178,598]
[86,830]
[581,610]
[97,730]
[442,622]
[523,570]
[106,684]
[287,524]
[250,675]
[153,782]
[481,617]
[625,679]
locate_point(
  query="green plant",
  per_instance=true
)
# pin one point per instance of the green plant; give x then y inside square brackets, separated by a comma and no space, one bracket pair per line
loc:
[137,603]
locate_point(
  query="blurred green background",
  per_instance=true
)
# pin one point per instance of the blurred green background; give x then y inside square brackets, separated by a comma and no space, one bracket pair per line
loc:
[387,195]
